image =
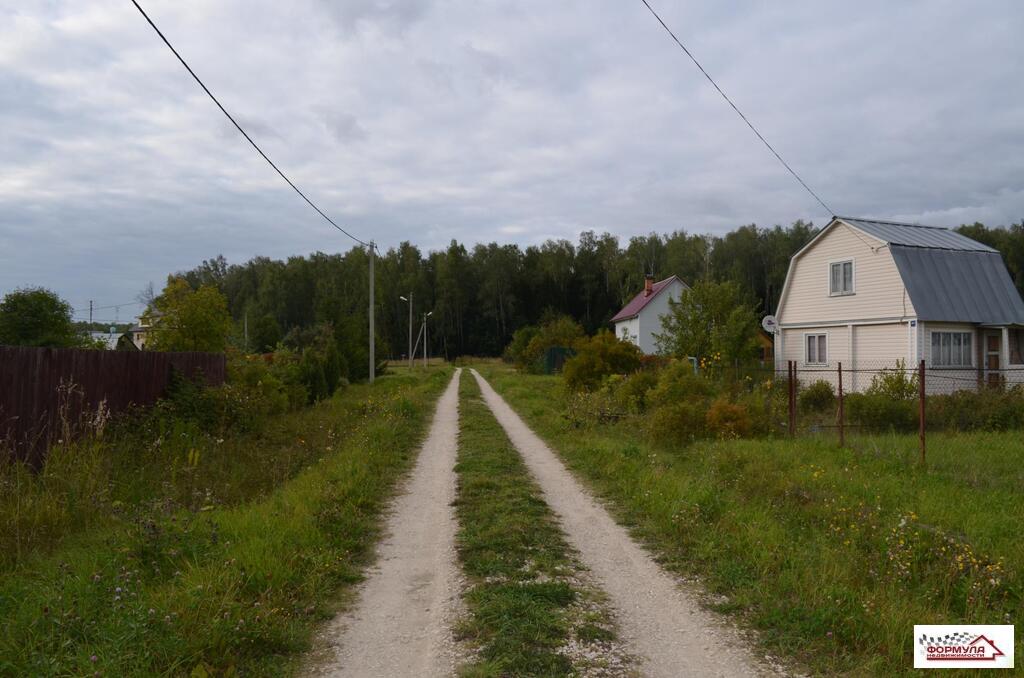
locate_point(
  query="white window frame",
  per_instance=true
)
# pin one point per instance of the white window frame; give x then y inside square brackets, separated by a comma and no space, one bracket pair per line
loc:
[853,277]
[806,352]
[932,362]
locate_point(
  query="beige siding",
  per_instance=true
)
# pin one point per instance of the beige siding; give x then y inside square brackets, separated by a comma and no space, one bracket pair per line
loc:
[874,347]
[878,288]
[882,345]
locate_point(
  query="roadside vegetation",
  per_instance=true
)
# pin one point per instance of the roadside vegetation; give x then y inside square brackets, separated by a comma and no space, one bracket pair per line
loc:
[206,536]
[531,611]
[832,554]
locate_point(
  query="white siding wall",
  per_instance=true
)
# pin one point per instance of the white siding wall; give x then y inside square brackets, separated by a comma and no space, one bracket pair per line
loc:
[649,320]
[628,330]
[878,288]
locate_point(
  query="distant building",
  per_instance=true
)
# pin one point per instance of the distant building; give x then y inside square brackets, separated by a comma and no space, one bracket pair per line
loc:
[870,293]
[141,332]
[640,319]
[109,339]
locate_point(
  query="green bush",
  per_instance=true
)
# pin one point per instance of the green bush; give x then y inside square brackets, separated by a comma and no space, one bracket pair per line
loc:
[515,352]
[727,420]
[897,383]
[818,397]
[599,357]
[875,412]
[677,423]
[678,382]
[630,392]
[530,343]
[985,410]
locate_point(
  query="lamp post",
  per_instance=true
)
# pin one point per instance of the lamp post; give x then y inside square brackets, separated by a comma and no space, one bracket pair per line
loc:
[425,316]
[409,301]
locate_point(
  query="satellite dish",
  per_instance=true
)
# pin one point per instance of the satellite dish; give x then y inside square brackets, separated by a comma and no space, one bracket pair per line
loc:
[770,324]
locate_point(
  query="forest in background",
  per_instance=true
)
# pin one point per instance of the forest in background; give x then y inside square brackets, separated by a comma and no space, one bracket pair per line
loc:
[479,296]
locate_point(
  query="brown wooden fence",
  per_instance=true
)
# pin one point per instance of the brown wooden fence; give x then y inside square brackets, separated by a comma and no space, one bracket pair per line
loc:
[31,379]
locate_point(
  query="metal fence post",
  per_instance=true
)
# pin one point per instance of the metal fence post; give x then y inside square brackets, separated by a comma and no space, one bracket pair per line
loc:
[792,398]
[920,414]
[842,431]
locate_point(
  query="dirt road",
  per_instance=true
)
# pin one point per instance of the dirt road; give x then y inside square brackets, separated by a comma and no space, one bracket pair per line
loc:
[401,625]
[659,622]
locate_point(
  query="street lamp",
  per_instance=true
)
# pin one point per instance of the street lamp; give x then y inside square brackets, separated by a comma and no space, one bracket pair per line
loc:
[409,301]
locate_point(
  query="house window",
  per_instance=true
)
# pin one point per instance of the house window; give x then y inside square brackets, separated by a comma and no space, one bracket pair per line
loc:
[952,349]
[1017,347]
[841,278]
[816,349]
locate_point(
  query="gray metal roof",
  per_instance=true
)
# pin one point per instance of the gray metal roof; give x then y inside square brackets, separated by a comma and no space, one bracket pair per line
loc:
[915,235]
[959,286]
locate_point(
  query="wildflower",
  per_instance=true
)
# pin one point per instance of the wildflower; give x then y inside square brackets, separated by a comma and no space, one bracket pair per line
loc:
[94,659]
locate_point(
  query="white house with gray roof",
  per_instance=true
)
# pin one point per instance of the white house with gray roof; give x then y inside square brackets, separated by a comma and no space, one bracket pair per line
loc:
[870,293]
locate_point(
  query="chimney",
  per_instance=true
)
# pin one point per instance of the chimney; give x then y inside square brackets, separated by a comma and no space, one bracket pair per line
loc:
[648,285]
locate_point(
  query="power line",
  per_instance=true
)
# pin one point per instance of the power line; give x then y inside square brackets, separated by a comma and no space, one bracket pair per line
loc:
[239,127]
[735,108]
[85,309]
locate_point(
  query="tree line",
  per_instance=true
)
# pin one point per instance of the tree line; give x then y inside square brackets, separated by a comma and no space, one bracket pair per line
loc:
[479,296]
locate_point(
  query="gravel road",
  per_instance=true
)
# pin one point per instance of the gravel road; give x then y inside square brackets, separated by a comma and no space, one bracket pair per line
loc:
[401,624]
[659,622]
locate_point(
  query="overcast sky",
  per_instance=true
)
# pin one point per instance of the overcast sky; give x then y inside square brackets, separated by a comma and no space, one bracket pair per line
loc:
[508,120]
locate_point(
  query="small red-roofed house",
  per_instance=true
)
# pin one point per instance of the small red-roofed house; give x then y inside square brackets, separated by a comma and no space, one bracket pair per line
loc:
[640,319]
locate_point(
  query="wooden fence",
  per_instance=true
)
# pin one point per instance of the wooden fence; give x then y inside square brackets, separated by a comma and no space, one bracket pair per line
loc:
[31,380]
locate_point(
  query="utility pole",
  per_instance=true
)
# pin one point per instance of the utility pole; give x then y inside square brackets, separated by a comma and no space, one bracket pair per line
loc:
[425,316]
[409,301]
[373,362]
[246,331]
[90,314]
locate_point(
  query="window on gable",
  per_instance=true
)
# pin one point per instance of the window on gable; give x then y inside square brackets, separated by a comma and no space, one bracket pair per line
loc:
[816,350]
[841,278]
[951,349]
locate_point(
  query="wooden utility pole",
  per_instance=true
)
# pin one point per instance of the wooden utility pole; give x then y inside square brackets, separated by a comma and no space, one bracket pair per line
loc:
[410,330]
[373,361]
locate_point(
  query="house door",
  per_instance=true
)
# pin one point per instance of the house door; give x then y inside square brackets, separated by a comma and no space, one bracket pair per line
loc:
[993,347]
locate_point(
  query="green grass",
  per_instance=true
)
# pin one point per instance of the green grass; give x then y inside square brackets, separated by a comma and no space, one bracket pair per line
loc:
[832,554]
[161,587]
[524,601]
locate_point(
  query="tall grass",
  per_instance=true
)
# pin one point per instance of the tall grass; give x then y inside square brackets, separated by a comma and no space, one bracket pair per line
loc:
[833,554]
[206,554]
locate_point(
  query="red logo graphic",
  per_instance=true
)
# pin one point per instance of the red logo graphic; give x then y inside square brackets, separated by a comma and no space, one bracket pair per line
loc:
[954,647]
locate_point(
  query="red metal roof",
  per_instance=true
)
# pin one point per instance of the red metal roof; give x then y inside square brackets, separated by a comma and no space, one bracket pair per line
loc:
[638,302]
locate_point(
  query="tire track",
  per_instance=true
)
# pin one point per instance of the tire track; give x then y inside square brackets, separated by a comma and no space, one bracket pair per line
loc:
[660,623]
[401,624]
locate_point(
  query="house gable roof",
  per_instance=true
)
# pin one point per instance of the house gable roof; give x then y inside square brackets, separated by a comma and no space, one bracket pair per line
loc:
[637,303]
[916,235]
[948,276]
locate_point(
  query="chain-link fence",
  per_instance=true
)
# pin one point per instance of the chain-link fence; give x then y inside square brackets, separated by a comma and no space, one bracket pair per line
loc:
[909,408]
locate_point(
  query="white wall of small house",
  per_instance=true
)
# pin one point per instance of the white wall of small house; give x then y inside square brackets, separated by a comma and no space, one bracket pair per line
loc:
[649,320]
[628,330]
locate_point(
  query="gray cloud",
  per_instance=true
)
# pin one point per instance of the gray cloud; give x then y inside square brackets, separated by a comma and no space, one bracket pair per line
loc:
[514,120]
